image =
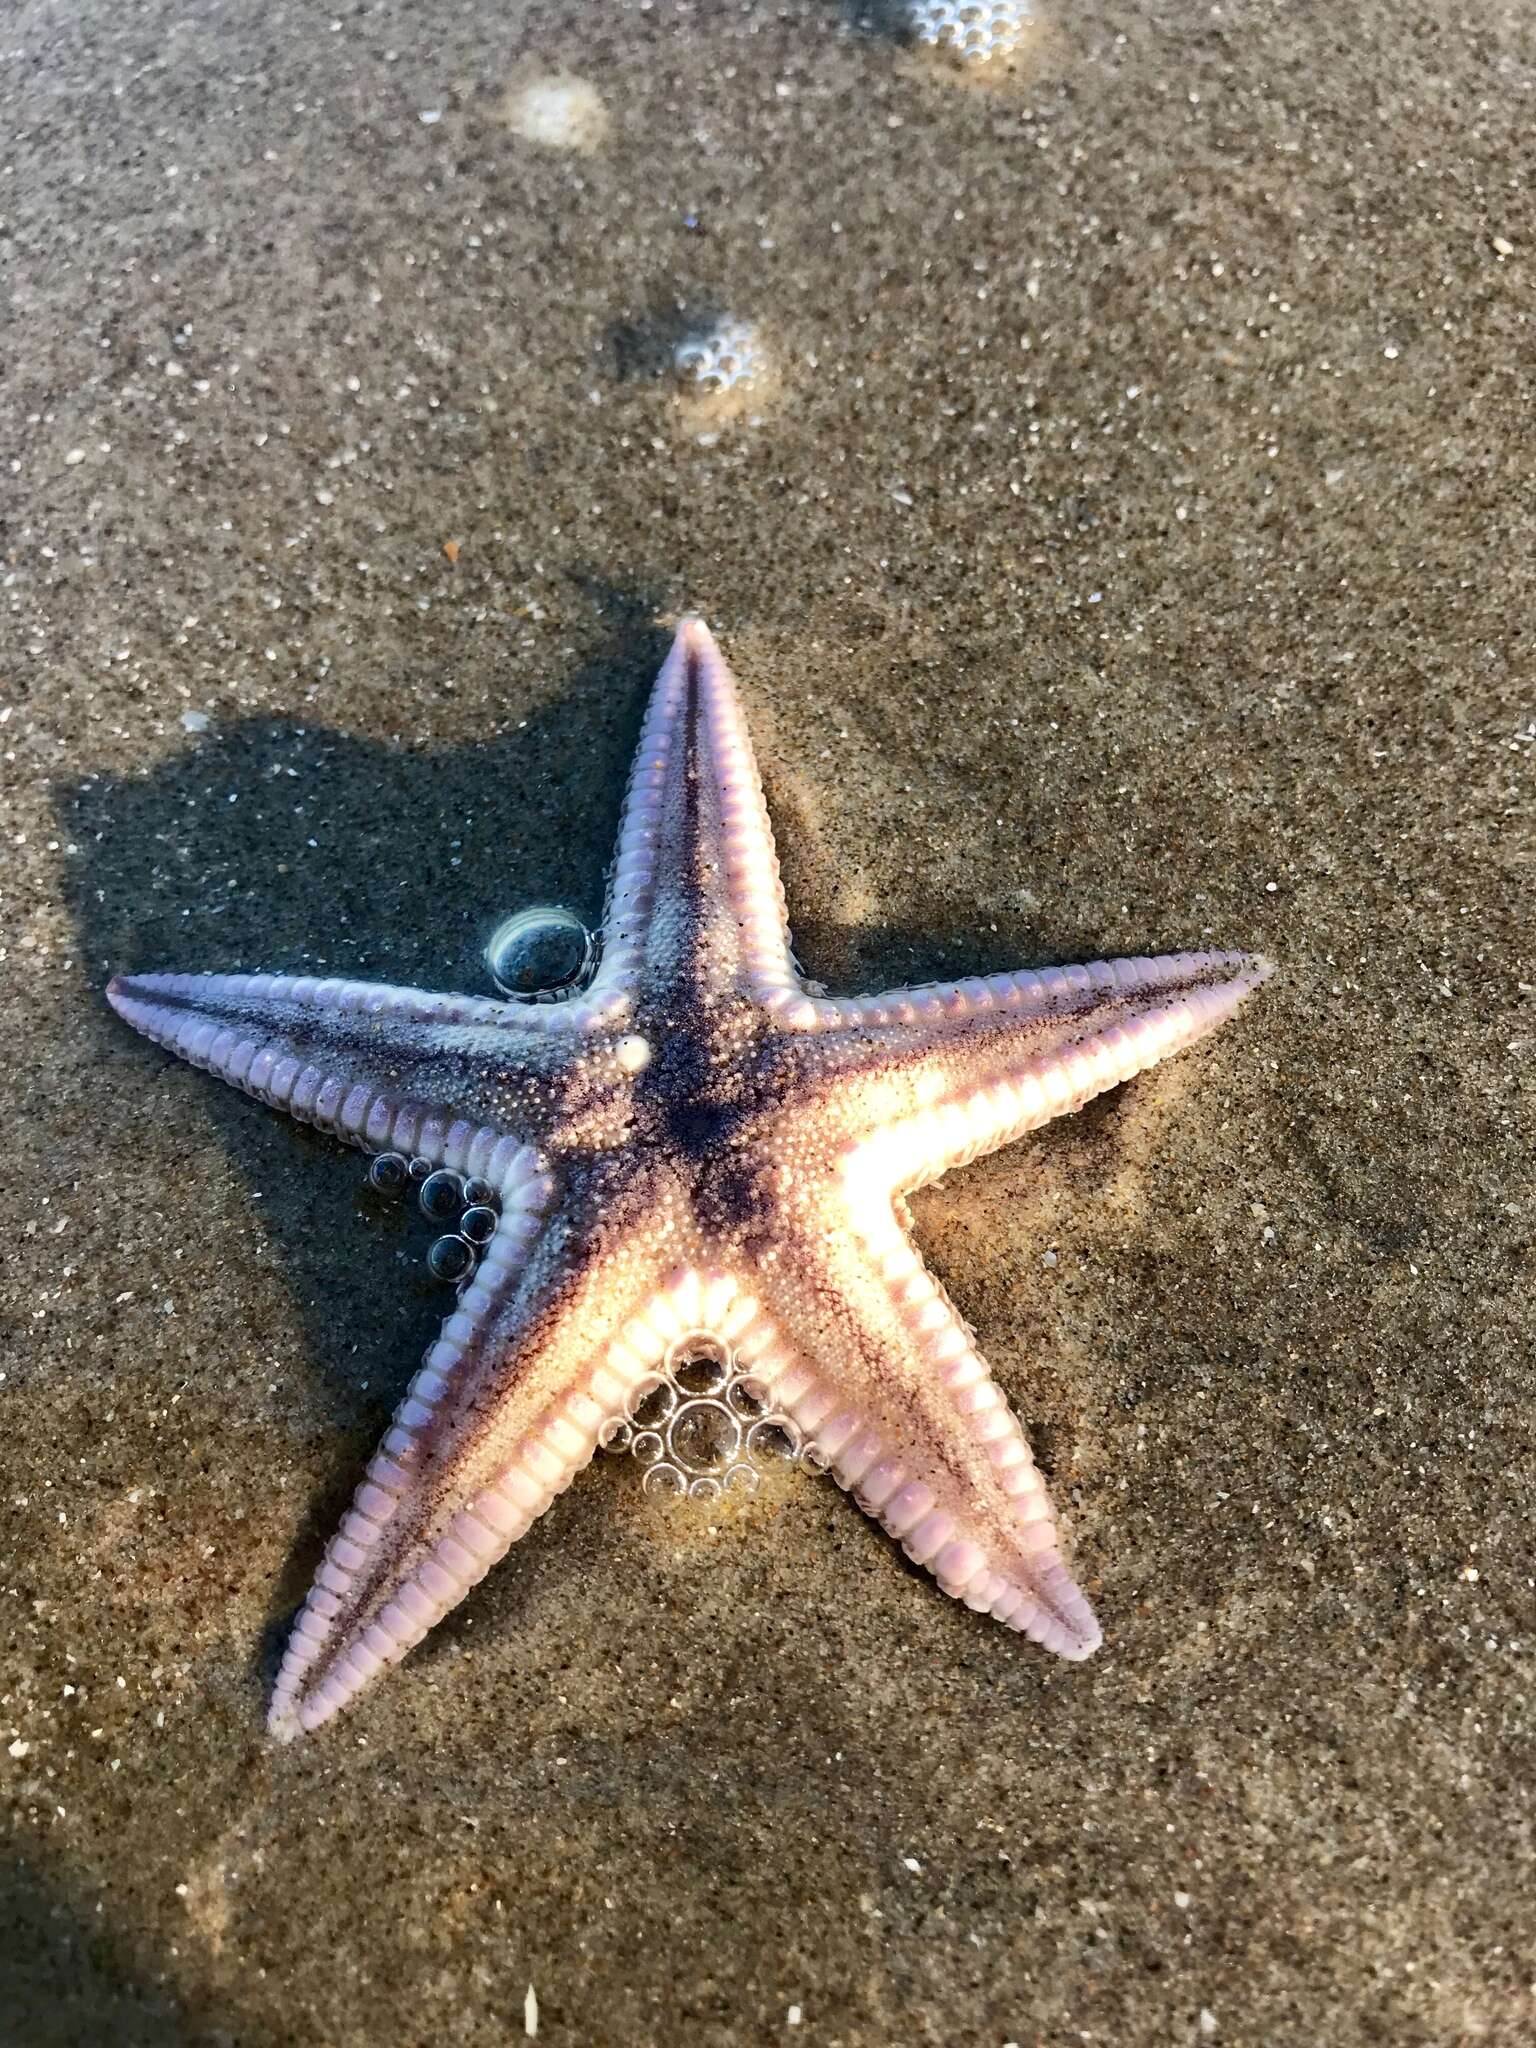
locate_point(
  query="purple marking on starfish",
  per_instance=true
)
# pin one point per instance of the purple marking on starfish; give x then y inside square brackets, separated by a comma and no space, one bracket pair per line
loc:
[695,1146]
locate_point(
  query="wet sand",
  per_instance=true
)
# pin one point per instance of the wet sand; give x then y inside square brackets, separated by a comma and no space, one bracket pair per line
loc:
[1128,543]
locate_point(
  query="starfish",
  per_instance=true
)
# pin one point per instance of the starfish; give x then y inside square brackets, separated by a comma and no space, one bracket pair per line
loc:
[695,1146]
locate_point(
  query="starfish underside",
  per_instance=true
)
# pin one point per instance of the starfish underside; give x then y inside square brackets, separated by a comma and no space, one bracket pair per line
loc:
[696,1146]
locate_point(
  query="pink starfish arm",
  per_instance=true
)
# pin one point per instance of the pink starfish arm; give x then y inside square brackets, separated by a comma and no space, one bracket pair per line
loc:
[944,1074]
[560,1325]
[695,900]
[385,1068]
[911,1423]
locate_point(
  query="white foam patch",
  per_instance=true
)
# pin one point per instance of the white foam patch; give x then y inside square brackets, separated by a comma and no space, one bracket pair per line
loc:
[556,110]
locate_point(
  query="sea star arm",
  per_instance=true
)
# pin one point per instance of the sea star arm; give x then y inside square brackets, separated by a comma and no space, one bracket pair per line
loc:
[558,1329]
[940,1075]
[695,902]
[862,1348]
[385,1068]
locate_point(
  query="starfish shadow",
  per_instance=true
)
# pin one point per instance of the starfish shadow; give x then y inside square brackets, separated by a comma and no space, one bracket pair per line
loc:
[888,21]
[66,1976]
[644,347]
[289,846]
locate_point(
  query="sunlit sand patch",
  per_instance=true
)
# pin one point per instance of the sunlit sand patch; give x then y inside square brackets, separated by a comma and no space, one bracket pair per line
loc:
[555,109]
[205,1895]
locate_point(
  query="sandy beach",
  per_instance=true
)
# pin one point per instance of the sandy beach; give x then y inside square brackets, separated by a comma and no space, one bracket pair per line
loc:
[1124,538]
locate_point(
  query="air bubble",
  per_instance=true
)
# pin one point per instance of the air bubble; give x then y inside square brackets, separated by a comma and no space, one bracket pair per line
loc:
[814,1460]
[418,1171]
[540,955]
[703,1489]
[704,1435]
[442,1197]
[479,1194]
[663,1479]
[696,1369]
[651,1402]
[450,1258]
[478,1224]
[773,1440]
[615,1434]
[388,1173]
[647,1446]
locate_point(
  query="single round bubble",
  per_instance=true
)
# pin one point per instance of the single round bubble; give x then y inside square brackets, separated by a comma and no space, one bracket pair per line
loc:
[650,1402]
[814,1460]
[442,1197]
[773,1439]
[742,1479]
[387,1172]
[479,1194]
[663,1479]
[478,1224]
[703,1436]
[647,1446]
[749,1398]
[703,1489]
[540,955]
[700,1371]
[450,1258]
[418,1171]
[615,1434]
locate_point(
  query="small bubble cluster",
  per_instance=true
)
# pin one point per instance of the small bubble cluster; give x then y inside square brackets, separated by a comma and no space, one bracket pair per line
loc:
[540,955]
[702,1426]
[974,31]
[720,359]
[463,1207]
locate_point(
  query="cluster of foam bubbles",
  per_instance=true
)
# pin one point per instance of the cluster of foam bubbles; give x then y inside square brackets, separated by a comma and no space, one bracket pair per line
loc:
[467,1209]
[702,1427]
[974,31]
[723,358]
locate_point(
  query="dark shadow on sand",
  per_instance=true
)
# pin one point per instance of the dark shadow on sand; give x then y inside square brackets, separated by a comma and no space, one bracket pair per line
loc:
[67,1979]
